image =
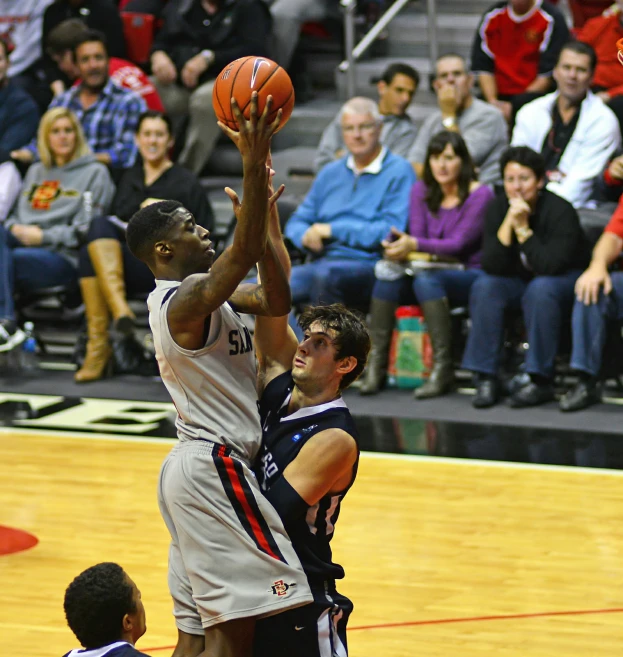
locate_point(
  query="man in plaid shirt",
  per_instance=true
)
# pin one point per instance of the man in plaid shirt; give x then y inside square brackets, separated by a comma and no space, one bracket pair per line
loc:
[108,113]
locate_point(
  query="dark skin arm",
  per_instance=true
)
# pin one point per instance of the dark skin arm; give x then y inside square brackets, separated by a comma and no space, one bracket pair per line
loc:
[200,294]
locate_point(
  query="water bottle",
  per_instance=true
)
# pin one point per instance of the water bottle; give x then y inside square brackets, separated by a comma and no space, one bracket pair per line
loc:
[29,361]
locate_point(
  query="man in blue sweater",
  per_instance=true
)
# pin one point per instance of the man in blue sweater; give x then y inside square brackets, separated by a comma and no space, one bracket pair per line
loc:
[349,210]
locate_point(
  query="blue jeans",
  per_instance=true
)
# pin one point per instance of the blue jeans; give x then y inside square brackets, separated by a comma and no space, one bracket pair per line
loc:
[589,325]
[428,286]
[326,281]
[546,302]
[28,268]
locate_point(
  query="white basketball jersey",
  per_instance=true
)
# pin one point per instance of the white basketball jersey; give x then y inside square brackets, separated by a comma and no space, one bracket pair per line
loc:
[213,388]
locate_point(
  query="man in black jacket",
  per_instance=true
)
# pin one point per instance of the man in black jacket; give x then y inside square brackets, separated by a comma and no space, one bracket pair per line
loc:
[198,39]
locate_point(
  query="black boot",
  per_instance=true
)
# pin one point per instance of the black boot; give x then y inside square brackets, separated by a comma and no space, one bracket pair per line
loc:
[382,321]
[439,324]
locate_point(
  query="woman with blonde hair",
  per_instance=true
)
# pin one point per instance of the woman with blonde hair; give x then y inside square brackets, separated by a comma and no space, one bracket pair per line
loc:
[39,240]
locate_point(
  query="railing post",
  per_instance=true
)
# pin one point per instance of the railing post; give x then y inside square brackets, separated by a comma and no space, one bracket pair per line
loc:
[349,43]
[433,42]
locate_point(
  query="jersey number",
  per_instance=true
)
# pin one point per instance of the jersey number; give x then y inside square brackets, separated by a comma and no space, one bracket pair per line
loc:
[240,342]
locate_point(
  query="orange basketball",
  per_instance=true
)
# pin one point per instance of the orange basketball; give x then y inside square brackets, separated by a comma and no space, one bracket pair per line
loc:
[244,76]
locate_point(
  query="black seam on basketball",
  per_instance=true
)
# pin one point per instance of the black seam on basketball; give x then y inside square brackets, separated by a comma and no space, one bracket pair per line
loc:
[231,89]
[263,83]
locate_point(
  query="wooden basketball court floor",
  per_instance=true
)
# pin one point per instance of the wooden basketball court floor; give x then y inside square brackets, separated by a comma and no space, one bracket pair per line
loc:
[443,557]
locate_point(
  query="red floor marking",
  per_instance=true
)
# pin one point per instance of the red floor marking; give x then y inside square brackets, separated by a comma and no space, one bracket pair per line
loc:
[473,619]
[15,540]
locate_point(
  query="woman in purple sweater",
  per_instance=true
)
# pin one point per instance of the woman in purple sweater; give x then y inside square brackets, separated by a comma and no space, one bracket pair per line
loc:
[446,219]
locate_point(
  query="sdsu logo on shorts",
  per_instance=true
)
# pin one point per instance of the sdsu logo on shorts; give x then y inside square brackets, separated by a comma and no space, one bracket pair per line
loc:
[280,588]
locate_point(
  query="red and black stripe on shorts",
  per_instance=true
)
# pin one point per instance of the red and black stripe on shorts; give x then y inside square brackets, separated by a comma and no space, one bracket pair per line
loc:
[240,494]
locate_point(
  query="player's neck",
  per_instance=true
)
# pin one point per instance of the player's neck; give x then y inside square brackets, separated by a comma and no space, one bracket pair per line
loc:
[313,397]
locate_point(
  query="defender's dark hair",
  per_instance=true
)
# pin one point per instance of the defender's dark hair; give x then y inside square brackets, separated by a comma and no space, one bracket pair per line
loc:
[351,335]
[398,68]
[65,36]
[148,226]
[581,48]
[96,602]
[526,157]
[155,114]
[88,37]
[467,172]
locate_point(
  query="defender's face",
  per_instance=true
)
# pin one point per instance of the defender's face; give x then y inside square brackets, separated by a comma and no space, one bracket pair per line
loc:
[314,362]
[139,622]
[191,243]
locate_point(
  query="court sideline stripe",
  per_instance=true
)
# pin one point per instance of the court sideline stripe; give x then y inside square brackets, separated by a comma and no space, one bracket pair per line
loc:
[473,619]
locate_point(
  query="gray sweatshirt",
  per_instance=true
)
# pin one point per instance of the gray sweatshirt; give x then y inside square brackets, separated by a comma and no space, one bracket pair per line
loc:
[54,199]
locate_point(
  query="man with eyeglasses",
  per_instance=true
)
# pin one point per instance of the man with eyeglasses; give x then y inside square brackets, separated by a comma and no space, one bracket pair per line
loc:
[396,89]
[572,128]
[481,125]
[350,208]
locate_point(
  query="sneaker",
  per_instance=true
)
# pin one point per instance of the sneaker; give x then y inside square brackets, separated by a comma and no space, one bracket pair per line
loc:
[10,335]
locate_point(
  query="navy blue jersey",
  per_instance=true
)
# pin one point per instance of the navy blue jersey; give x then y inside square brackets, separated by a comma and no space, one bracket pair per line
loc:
[283,436]
[117,649]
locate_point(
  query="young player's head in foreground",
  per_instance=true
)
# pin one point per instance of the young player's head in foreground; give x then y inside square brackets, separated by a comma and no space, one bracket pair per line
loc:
[103,606]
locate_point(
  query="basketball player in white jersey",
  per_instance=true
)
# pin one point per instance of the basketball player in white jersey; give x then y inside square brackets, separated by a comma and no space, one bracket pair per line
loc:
[309,458]
[230,560]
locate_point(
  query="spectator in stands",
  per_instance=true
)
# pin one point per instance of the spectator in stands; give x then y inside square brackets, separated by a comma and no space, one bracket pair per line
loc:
[351,207]
[104,610]
[481,125]
[198,39]
[514,51]
[601,33]
[100,15]
[610,185]
[107,269]
[288,17]
[60,46]
[108,113]
[19,118]
[396,89]
[21,24]
[574,131]
[39,240]
[445,219]
[599,299]
[584,10]
[533,252]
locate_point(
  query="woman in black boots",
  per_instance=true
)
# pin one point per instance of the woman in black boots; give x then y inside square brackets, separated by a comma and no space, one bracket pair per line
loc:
[446,219]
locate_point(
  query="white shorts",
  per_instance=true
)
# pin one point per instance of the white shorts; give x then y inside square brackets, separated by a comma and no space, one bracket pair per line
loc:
[230,556]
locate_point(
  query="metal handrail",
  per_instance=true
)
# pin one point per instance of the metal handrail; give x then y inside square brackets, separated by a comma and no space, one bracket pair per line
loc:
[353,53]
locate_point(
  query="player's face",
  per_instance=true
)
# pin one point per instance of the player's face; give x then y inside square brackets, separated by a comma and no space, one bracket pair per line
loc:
[450,72]
[92,62]
[361,134]
[314,364]
[4,65]
[573,75]
[395,97]
[62,139]
[446,166]
[139,623]
[153,140]
[191,243]
[521,182]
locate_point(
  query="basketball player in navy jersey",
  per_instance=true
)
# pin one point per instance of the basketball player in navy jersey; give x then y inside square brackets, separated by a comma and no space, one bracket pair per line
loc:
[104,610]
[309,459]
[230,559]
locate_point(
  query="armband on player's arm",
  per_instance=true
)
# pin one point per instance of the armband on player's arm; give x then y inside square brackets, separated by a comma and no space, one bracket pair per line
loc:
[287,502]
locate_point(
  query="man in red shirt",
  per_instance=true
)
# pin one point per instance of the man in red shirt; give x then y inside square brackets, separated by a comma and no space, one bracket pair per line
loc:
[602,33]
[60,46]
[599,299]
[515,50]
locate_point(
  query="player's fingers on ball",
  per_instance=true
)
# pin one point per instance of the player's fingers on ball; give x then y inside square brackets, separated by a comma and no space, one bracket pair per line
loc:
[232,134]
[237,114]
[275,197]
[274,126]
[253,108]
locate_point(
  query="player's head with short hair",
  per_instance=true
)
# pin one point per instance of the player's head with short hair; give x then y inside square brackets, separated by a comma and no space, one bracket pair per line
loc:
[347,331]
[165,236]
[103,605]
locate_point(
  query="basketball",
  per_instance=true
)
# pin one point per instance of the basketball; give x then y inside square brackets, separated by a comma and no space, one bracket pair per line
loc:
[241,78]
